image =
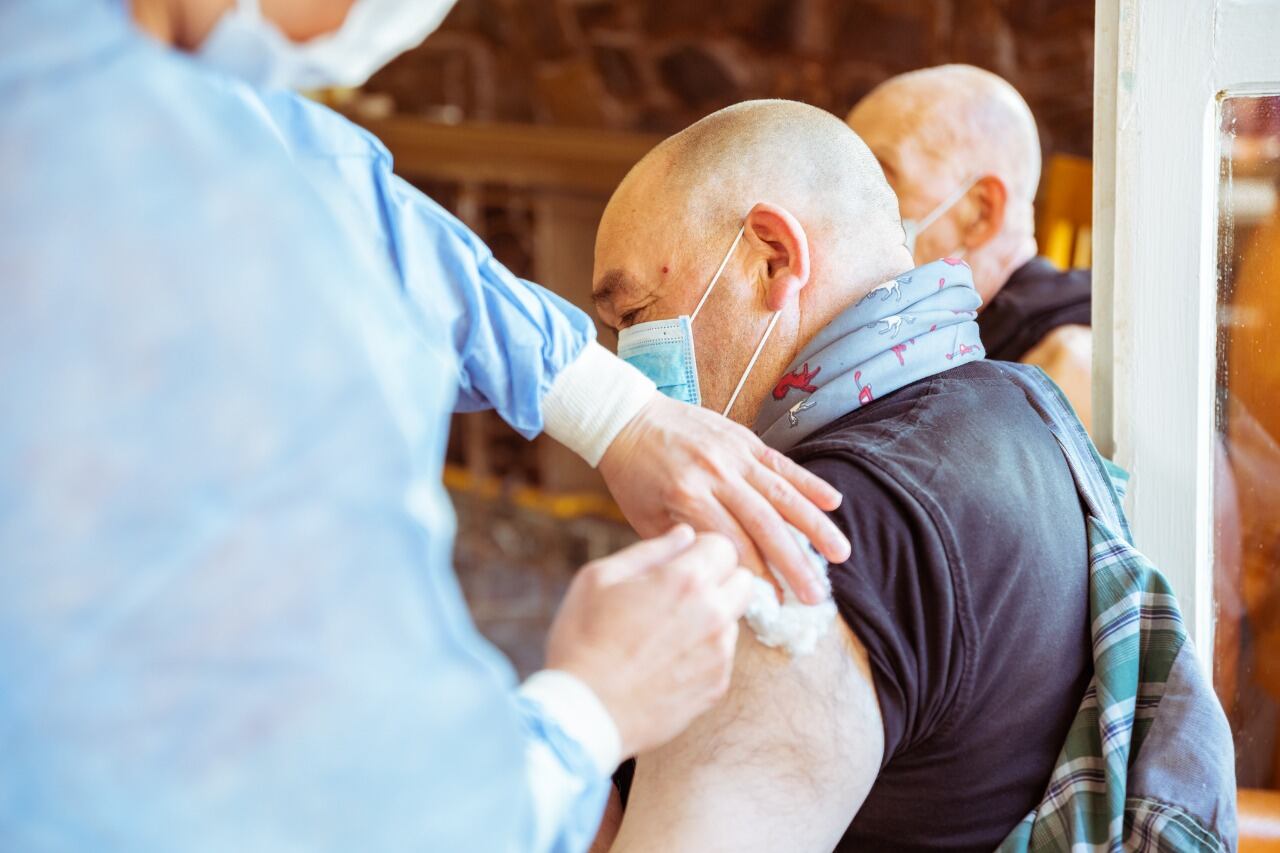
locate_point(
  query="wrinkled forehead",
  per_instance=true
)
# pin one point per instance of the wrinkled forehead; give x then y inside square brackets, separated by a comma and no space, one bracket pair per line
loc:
[635,268]
[644,253]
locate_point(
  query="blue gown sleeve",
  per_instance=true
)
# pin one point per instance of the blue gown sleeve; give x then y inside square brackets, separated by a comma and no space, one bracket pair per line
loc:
[510,337]
[568,793]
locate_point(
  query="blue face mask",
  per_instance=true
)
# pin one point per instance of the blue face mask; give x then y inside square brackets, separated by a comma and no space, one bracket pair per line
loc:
[663,349]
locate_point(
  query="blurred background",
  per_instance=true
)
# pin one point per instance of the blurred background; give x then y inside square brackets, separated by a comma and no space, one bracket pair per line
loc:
[657,66]
[1247,476]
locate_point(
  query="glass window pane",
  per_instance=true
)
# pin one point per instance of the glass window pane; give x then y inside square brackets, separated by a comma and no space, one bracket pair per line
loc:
[1247,452]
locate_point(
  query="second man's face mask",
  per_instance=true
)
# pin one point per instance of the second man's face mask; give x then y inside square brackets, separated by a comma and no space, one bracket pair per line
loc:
[913,227]
[663,349]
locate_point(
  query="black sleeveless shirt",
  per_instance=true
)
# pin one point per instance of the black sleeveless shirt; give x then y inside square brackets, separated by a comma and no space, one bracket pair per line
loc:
[968,587]
[1036,299]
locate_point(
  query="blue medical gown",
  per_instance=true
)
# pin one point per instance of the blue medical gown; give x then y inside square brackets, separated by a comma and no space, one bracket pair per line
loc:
[230,343]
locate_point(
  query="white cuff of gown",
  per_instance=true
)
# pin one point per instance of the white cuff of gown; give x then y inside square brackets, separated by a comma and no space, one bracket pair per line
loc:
[592,399]
[580,714]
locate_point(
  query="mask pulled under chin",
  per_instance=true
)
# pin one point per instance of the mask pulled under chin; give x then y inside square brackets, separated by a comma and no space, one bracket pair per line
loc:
[248,45]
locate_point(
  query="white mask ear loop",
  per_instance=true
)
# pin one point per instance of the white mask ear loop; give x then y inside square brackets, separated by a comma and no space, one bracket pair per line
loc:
[733,398]
[716,277]
[946,204]
[773,321]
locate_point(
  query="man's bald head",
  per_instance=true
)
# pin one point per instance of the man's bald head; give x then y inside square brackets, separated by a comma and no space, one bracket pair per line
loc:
[785,152]
[935,129]
[820,224]
[968,119]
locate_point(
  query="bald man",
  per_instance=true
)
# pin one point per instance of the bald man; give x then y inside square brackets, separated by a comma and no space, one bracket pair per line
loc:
[959,146]
[931,713]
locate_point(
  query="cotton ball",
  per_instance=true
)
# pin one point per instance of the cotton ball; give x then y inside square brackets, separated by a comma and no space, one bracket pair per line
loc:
[790,625]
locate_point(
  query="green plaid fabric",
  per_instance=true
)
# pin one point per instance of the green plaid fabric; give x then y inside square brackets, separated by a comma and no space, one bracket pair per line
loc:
[1137,634]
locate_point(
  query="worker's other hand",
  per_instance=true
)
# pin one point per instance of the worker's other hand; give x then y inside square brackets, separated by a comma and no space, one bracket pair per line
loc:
[675,462]
[652,630]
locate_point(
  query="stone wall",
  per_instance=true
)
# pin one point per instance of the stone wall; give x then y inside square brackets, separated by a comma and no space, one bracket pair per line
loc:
[657,65]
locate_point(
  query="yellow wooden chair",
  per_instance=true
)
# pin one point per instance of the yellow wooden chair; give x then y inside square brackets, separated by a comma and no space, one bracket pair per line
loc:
[1064,213]
[1259,821]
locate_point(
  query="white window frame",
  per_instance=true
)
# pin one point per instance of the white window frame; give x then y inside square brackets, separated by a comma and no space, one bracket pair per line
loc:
[1161,67]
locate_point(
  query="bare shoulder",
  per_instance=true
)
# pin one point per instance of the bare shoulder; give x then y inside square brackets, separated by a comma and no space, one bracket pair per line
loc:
[783,762]
[1066,354]
[1065,346]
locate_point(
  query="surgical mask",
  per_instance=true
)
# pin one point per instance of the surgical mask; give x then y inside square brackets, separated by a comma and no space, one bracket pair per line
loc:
[913,227]
[248,45]
[663,349]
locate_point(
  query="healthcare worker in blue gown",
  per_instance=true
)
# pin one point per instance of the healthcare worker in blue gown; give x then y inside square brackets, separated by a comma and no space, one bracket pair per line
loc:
[230,344]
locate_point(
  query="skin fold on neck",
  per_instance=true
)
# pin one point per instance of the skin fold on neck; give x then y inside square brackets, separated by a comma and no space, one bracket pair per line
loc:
[182,24]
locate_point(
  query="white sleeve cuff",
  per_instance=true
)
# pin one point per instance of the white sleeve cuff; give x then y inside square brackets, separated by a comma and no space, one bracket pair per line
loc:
[580,714]
[592,399]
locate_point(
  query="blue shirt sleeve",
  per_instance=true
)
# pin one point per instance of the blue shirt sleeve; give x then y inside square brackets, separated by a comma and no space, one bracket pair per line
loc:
[510,337]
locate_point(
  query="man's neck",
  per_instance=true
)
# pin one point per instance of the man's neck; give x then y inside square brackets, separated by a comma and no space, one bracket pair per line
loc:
[156,19]
[995,263]
[851,293]
[817,315]
[178,23]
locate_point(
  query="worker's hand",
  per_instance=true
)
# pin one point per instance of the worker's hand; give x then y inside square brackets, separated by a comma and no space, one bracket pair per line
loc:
[675,462]
[652,629]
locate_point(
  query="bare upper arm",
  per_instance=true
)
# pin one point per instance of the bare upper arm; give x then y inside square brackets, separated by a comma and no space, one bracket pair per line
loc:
[782,763]
[1066,354]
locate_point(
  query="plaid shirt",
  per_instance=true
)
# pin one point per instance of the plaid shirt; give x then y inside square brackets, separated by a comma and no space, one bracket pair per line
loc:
[1148,764]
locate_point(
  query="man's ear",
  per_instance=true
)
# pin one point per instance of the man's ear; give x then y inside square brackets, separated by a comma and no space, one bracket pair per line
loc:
[989,195]
[778,237]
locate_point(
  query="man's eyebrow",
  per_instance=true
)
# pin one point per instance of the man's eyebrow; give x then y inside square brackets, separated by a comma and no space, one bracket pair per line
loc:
[611,284]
